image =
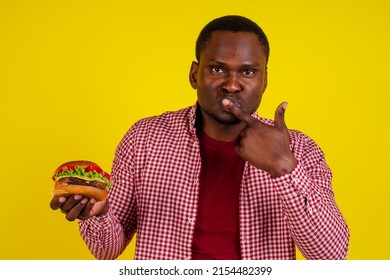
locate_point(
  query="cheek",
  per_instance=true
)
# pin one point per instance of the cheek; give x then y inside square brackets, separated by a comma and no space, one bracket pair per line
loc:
[205,95]
[207,87]
[206,81]
[253,99]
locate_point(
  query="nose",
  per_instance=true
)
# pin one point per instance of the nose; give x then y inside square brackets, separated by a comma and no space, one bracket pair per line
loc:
[231,84]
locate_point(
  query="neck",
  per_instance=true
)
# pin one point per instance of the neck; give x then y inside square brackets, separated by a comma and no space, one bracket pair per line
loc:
[219,131]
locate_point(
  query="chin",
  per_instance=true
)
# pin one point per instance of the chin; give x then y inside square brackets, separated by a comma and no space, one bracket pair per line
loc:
[229,120]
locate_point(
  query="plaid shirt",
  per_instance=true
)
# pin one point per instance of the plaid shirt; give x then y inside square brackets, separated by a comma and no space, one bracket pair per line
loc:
[156,180]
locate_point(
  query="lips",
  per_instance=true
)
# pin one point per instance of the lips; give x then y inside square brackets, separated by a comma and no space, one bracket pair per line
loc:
[233,99]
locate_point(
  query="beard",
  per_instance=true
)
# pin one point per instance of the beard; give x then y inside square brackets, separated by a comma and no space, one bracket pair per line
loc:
[231,120]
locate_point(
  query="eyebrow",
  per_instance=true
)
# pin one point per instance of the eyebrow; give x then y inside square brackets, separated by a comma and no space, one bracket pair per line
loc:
[250,65]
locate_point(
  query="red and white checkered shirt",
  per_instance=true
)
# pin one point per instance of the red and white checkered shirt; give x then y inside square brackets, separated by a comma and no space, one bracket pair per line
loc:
[155,192]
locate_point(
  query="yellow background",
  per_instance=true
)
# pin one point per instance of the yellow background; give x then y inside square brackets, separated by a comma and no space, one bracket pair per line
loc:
[75,75]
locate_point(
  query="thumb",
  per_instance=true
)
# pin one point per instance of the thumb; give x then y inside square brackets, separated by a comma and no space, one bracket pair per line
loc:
[279,115]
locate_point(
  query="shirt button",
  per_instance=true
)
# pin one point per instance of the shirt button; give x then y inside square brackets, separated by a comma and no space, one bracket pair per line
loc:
[186,259]
[296,180]
[310,210]
[191,221]
[286,185]
[196,182]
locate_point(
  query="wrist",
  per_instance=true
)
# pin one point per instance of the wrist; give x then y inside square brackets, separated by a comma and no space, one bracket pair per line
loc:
[104,210]
[284,167]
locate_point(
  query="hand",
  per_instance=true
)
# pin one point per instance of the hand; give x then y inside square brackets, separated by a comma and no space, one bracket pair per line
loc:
[264,146]
[79,207]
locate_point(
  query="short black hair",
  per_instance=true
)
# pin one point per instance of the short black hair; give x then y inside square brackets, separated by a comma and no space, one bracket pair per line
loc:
[233,23]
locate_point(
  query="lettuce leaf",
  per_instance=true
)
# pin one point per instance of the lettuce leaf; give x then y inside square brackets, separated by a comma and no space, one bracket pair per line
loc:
[82,174]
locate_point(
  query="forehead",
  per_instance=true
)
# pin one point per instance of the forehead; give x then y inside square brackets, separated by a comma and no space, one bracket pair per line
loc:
[227,45]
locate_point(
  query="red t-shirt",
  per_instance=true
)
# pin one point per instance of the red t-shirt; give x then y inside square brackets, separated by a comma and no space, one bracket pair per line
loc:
[216,234]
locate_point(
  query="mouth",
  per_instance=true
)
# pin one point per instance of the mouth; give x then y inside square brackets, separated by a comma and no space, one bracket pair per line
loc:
[233,99]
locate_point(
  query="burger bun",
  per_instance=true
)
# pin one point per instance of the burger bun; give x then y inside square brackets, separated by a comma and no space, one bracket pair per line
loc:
[61,189]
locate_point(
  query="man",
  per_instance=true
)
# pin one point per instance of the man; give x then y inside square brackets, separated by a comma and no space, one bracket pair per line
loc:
[216,181]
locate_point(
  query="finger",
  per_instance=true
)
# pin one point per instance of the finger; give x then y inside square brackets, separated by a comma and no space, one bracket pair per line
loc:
[86,212]
[74,213]
[57,202]
[71,202]
[279,115]
[237,111]
[243,133]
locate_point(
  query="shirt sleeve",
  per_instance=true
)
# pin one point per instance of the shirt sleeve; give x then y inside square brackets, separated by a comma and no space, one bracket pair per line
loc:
[103,235]
[315,222]
[107,236]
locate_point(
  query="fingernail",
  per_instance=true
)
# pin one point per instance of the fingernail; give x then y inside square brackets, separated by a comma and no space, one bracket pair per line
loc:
[61,199]
[77,197]
[285,105]
[84,200]
[226,102]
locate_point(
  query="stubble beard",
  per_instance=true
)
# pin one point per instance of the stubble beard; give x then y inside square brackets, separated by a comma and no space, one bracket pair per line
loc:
[226,122]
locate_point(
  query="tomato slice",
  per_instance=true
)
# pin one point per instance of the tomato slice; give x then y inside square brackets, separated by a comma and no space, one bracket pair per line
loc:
[106,175]
[98,170]
[67,167]
[93,168]
[64,168]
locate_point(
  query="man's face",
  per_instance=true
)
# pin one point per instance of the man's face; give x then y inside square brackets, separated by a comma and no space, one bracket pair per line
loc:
[233,66]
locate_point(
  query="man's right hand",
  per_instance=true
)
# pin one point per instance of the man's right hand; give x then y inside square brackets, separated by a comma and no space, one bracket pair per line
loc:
[79,207]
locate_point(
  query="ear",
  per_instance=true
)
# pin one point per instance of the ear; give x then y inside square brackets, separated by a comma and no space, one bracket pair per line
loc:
[194,75]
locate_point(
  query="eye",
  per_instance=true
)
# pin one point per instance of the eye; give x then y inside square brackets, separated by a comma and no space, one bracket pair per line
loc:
[217,69]
[248,72]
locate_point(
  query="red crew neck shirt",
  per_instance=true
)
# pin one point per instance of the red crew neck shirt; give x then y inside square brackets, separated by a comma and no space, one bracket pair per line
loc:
[216,234]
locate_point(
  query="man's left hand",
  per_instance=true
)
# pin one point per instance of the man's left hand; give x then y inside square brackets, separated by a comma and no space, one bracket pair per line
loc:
[264,146]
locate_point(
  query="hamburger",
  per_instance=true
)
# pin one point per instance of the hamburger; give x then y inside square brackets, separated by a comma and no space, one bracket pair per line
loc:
[81,177]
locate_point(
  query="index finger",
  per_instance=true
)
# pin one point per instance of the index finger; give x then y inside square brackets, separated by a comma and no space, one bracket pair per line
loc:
[57,202]
[237,111]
